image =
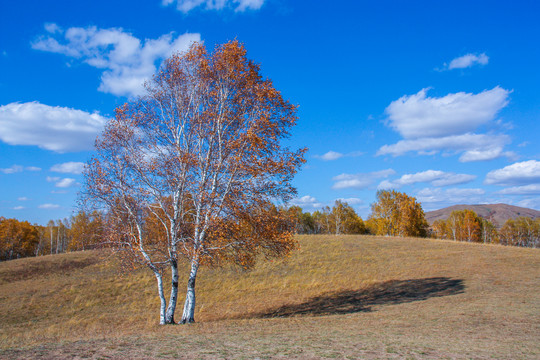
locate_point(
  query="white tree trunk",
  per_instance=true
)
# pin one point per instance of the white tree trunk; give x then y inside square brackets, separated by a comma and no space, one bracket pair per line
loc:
[58,239]
[51,240]
[174,293]
[163,305]
[188,315]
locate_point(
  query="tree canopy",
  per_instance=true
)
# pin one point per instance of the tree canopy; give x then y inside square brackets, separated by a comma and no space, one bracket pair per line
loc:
[397,214]
[193,167]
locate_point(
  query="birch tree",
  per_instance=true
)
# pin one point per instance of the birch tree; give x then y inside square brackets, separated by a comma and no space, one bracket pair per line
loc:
[192,169]
[50,227]
[522,231]
[86,230]
[397,214]
[346,220]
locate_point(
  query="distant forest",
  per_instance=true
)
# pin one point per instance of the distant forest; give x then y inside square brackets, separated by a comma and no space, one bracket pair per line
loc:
[393,214]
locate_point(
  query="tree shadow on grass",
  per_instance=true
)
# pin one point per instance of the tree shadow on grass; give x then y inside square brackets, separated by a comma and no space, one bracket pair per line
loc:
[385,293]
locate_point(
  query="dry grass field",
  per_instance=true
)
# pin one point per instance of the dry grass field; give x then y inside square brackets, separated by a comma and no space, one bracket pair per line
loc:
[336,297]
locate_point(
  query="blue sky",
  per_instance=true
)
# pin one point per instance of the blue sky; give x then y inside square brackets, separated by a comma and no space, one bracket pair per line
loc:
[437,99]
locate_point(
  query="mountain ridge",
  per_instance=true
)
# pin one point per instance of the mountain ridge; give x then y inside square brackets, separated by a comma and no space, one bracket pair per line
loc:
[498,214]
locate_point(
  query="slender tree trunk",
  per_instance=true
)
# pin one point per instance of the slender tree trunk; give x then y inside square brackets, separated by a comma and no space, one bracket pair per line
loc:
[189,306]
[51,240]
[174,293]
[40,244]
[163,303]
[57,239]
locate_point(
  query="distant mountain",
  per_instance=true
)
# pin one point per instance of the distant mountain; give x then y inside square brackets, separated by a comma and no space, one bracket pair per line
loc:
[496,213]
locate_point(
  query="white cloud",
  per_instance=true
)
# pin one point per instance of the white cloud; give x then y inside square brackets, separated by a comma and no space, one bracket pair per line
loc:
[310,202]
[66,182]
[69,167]
[417,116]
[530,203]
[186,6]
[52,178]
[52,28]
[48,206]
[387,185]
[472,146]
[333,155]
[307,201]
[435,177]
[329,156]
[249,4]
[62,183]
[352,201]
[450,196]
[126,60]
[429,125]
[487,153]
[521,173]
[532,189]
[453,179]
[18,208]
[468,60]
[53,128]
[359,181]
[12,170]
[23,198]
[18,168]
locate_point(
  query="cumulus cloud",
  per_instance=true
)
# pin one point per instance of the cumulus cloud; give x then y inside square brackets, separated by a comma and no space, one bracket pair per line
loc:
[126,61]
[435,177]
[450,196]
[306,201]
[352,201]
[473,147]
[52,28]
[360,181]
[18,168]
[333,155]
[532,203]
[66,182]
[48,206]
[18,208]
[520,173]
[12,170]
[532,189]
[62,183]
[53,128]
[487,153]
[418,116]
[429,124]
[186,6]
[329,156]
[71,167]
[467,61]
[23,198]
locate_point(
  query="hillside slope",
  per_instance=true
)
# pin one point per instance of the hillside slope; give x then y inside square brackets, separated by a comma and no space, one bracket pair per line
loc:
[496,213]
[345,297]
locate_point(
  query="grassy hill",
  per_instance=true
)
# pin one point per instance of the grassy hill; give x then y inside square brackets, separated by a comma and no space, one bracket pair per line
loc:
[496,213]
[336,297]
